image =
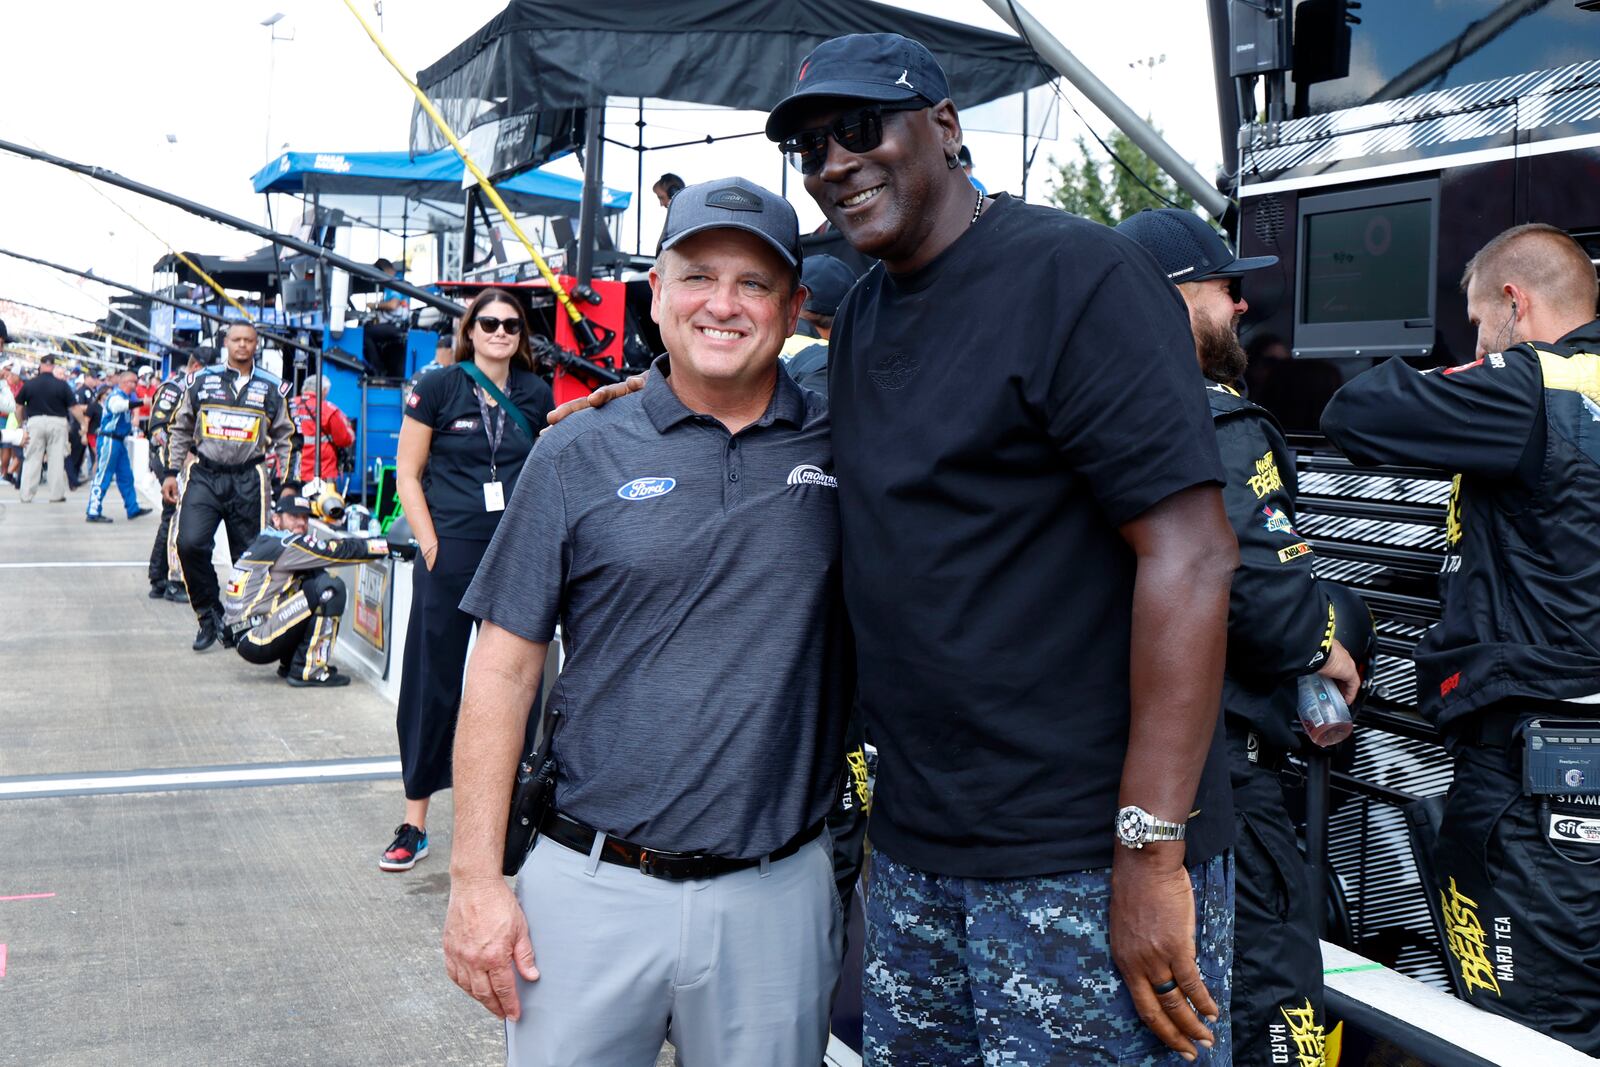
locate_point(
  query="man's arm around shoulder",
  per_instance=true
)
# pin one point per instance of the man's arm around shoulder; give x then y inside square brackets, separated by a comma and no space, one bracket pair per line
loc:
[1186,554]
[485,932]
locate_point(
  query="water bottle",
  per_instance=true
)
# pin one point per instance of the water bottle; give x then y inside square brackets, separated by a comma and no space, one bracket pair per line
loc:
[1322,711]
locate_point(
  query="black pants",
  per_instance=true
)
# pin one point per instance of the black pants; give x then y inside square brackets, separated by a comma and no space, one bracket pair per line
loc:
[1522,921]
[306,647]
[158,551]
[431,670]
[384,346]
[77,448]
[236,500]
[1277,966]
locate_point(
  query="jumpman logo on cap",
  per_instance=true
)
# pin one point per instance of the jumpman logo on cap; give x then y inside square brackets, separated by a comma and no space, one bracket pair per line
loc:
[902,81]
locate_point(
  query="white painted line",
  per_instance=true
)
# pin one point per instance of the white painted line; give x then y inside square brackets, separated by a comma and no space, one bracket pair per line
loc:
[158,781]
[81,563]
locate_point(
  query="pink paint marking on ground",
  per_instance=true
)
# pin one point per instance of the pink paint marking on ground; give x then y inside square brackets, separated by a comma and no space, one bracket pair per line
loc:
[30,896]
[2,960]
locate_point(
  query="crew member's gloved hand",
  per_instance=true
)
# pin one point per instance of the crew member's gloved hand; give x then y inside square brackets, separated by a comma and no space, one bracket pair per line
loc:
[406,550]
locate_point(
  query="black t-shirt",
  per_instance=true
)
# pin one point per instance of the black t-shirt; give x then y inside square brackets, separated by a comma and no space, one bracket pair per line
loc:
[45,394]
[458,462]
[996,416]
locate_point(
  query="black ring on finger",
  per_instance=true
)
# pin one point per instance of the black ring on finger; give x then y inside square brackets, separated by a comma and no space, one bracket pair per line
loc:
[1166,987]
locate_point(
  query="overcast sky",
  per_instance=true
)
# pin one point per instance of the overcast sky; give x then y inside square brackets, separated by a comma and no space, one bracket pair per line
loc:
[107,81]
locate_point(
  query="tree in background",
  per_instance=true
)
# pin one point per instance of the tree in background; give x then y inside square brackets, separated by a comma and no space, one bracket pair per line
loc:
[1096,188]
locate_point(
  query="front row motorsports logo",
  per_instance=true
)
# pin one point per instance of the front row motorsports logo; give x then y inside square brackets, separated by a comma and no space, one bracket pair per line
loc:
[811,474]
[647,488]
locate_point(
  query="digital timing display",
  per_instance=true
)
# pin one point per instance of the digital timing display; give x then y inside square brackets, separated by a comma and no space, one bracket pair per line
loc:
[1367,264]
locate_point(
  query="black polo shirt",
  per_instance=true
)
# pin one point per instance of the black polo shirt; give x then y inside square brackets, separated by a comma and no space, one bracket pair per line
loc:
[45,394]
[458,460]
[996,416]
[695,575]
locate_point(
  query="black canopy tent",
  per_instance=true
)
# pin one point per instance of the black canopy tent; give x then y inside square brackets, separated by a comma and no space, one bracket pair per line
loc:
[539,59]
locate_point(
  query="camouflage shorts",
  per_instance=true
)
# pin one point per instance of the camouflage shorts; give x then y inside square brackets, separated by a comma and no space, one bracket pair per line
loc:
[971,971]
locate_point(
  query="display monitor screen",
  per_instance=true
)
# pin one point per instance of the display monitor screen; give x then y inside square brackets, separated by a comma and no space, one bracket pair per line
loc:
[1368,264]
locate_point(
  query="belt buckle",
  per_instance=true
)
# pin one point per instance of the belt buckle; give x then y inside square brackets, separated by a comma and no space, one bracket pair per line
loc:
[647,863]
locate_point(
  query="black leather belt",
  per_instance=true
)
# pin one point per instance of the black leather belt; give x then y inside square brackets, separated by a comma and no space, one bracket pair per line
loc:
[673,866]
[228,468]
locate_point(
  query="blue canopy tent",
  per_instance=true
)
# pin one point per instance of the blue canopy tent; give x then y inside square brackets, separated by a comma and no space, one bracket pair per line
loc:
[433,180]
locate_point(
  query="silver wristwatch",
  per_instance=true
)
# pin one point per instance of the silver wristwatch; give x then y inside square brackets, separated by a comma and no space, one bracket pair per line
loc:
[1135,827]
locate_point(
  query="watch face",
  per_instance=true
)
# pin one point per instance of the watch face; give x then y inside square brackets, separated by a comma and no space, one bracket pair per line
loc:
[1131,825]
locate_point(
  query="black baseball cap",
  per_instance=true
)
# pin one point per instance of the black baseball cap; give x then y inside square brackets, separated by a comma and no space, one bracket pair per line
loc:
[293,504]
[734,204]
[1186,247]
[881,67]
[828,281]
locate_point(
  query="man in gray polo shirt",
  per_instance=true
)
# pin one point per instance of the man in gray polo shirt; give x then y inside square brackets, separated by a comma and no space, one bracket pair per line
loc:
[686,539]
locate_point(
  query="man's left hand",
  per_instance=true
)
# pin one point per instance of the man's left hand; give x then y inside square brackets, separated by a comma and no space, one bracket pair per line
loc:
[1153,942]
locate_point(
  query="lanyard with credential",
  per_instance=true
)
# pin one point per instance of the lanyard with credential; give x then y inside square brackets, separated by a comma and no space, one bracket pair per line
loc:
[494,494]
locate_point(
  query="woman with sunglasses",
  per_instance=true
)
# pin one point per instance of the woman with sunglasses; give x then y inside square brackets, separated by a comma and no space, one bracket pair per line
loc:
[461,450]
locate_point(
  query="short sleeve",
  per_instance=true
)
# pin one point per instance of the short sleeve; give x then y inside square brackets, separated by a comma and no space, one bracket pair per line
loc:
[427,398]
[520,583]
[1126,403]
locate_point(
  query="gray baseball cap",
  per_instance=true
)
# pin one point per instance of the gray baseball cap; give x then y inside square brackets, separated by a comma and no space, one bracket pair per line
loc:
[734,204]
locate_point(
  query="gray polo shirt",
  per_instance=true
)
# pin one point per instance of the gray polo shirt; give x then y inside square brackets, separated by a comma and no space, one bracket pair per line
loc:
[696,579]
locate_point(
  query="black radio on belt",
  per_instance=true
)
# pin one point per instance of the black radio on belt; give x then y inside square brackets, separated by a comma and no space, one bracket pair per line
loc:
[1561,757]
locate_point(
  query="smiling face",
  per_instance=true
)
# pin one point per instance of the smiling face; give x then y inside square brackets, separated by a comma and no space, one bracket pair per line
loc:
[883,201]
[725,300]
[499,346]
[1214,316]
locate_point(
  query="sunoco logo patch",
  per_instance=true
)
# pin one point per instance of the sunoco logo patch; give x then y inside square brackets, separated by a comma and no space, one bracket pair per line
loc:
[647,488]
[811,474]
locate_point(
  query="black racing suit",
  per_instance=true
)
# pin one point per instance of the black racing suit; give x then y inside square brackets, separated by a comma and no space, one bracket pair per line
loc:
[1279,627]
[230,425]
[281,603]
[163,405]
[1519,638]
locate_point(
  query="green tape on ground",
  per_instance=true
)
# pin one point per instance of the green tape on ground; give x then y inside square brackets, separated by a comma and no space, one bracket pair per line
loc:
[1355,969]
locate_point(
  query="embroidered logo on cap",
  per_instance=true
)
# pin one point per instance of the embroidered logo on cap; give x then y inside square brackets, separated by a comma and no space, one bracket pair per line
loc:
[902,81]
[734,199]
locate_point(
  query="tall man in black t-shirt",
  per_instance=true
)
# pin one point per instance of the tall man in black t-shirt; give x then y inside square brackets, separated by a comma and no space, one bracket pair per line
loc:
[1037,565]
[45,404]
[1519,636]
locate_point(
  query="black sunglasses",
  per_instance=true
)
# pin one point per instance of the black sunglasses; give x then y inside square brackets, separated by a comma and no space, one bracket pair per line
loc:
[490,324]
[855,131]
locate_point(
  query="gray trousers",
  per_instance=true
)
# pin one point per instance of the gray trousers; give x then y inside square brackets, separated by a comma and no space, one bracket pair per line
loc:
[47,447]
[735,970]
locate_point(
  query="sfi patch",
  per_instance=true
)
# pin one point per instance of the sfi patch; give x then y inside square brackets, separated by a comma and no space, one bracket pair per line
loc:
[1574,829]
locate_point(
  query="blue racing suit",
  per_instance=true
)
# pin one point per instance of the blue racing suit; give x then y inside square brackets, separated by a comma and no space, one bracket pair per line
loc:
[111,460]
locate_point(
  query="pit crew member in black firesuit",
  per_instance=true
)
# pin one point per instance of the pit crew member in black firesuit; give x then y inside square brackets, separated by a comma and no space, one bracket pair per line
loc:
[163,404]
[1279,627]
[282,604]
[1519,638]
[233,419]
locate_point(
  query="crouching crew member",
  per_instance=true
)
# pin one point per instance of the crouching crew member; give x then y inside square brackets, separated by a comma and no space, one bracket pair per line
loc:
[282,604]
[1519,637]
[1280,625]
[231,419]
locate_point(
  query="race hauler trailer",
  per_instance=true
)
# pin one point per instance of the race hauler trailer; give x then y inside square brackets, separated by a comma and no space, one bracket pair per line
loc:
[1373,148]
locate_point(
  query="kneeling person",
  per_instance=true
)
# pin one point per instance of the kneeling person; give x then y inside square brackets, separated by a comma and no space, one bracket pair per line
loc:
[686,538]
[282,604]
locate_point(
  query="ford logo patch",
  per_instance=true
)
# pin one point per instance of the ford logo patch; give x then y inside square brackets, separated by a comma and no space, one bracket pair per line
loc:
[645,488]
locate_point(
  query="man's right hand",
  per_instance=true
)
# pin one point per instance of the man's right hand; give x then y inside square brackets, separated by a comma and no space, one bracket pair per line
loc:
[598,399]
[169,489]
[485,935]
[1341,670]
